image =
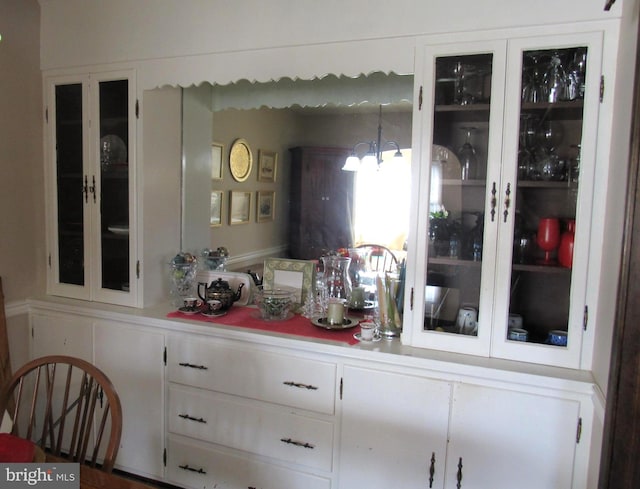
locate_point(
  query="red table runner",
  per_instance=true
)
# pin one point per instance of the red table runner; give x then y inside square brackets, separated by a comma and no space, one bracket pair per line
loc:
[247,317]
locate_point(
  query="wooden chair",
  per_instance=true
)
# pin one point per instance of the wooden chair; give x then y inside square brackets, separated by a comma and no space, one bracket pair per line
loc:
[67,407]
[381,259]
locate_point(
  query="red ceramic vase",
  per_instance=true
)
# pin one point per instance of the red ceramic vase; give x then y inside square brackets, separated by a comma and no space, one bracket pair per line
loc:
[565,251]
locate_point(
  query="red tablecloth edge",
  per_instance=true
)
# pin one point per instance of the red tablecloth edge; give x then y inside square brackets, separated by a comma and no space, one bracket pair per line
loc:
[246,317]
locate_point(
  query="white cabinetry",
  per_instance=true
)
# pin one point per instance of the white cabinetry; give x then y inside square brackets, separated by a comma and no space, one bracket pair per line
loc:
[61,334]
[90,155]
[534,161]
[393,426]
[270,416]
[132,358]
[404,430]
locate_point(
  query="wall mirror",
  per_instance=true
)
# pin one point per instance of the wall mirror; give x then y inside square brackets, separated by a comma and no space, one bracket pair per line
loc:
[275,117]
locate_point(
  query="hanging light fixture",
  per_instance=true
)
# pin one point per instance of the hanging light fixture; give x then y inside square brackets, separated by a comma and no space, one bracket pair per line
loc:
[372,159]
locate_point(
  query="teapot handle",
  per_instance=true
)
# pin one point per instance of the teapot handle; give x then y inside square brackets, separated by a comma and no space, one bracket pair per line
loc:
[202,285]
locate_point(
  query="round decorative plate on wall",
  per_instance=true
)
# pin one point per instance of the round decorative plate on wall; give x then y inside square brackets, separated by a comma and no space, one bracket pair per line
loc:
[240,160]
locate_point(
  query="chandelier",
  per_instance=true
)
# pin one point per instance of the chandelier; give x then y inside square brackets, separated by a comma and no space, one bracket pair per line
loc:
[372,158]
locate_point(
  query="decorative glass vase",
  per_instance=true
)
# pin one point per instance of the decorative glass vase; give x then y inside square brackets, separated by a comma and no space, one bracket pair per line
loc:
[389,315]
[336,276]
[359,265]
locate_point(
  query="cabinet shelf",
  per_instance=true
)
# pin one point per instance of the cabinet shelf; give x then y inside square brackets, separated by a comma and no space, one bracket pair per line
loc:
[458,262]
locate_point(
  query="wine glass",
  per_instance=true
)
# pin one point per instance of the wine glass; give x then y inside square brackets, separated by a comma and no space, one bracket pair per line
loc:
[554,81]
[467,156]
[462,96]
[548,238]
[576,71]
[532,88]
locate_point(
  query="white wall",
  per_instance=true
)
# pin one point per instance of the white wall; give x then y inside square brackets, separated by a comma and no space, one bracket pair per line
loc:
[121,30]
[22,238]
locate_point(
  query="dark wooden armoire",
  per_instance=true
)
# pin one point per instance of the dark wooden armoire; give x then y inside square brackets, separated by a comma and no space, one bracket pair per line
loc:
[321,205]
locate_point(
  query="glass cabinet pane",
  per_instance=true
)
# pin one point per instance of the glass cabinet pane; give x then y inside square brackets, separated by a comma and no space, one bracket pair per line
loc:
[457,196]
[553,87]
[114,183]
[70,185]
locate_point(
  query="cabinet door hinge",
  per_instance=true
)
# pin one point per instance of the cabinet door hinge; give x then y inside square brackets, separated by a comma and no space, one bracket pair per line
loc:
[341,386]
[137,109]
[137,268]
[420,99]
[33,334]
[601,88]
[579,431]
[49,260]
[164,457]
[411,299]
[585,318]
[46,114]
[164,356]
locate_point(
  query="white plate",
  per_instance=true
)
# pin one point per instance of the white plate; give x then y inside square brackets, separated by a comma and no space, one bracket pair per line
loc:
[346,323]
[374,340]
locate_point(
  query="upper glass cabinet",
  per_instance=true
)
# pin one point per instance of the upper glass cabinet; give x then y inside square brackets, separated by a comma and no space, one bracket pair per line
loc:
[508,210]
[90,163]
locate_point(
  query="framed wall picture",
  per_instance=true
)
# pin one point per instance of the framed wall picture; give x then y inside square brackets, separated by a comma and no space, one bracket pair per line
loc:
[266,205]
[239,207]
[216,208]
[267,166]
[217,151]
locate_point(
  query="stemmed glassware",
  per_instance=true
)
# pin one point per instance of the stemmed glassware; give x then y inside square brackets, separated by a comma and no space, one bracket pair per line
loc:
[548,238]
[460,73]
[554,81]
[467,156]
[531,87]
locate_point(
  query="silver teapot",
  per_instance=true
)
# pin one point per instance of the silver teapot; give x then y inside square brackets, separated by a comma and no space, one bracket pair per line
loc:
[221,291]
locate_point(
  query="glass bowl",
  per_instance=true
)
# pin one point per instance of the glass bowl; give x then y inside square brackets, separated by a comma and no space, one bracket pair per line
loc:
[274,304]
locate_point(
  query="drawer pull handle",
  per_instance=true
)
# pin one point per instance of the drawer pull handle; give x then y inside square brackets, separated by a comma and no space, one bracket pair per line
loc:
[432,468]
[191,469]
[297,443]
[191,365]
[191,418]
[300,386]
[459,474]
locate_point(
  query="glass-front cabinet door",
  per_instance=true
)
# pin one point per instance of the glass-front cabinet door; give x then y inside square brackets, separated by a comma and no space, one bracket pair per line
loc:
[90,134]
[509,132]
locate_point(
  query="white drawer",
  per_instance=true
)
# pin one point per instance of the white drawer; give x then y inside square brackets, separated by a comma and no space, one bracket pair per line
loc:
[251,427]
[189,464]
[281,379]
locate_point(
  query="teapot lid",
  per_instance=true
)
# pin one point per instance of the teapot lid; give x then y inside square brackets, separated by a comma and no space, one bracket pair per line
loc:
[220,284]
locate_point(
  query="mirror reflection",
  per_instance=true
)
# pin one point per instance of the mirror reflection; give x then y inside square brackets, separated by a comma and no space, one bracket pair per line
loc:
[298,200]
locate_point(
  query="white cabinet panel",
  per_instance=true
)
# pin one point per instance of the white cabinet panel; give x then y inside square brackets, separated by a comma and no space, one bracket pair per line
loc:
[132,357]
[252,427]
[190,464]
[393,425]
[282,379]
[61,335]
[506,439]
